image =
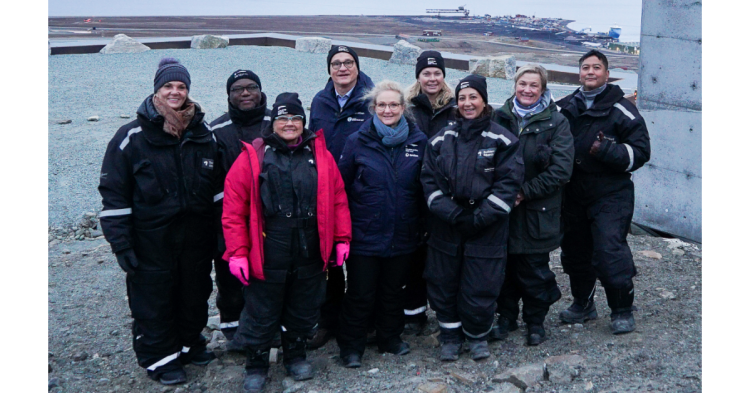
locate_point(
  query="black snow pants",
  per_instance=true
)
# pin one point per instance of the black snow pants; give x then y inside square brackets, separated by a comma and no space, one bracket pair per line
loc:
[168,294]
[335,289]
[597,212]
[528,278]
[229,298]
[464,277]
[293,290]
[375,290]
[415,293]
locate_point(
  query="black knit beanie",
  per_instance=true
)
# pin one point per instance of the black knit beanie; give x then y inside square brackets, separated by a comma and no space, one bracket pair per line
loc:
[477,82]
[288,104]
[340,48]
[430,58]
[171,70]
[243,74]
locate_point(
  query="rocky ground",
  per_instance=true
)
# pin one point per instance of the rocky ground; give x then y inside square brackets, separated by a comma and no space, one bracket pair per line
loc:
[90,341]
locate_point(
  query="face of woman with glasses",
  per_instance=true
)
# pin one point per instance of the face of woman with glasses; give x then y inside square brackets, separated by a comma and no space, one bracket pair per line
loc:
[388,107]
[344,75]
[244,94]
[288,127]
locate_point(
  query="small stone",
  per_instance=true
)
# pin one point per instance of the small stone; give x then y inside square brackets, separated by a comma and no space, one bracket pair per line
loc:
[295,388]
[105,380]
[415,380]
[96,233]
[507,387]
[432,387]
[431,340]
[678,252]
[81,357]
[53,382]
[179,390]
[373,371]
[650,254]
[66,121]
[114,333]
[411,365]
[124,116]
[273,355]
[287,383]
[66,252]
[464,378]
[523,377]
[589,386]
[668,295]
[562,368]
[93,118]
[578,326]
[100,261]
[213,322]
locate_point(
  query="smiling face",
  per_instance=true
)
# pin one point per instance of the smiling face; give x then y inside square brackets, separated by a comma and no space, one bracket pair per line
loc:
[244,94]
[173,93]
[431,81]
[388,107]
[529,88]
[289,130]
[593,73]
[470,103]
[343,78]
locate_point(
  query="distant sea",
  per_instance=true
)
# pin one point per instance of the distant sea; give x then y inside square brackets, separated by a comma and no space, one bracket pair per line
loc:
[599,15]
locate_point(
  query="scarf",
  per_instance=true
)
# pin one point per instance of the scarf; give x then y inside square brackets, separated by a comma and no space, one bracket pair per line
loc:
[391,136]
[588,97]
[175,122]
[525,113]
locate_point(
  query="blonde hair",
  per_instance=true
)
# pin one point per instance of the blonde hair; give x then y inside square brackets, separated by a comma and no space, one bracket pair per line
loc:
[381,87]
[532,68]
[443,98]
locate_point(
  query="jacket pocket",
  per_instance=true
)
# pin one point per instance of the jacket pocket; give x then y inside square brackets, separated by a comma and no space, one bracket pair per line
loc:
[443,246]
[543,218]
[148,184]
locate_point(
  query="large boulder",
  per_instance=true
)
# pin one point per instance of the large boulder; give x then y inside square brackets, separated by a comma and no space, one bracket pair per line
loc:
[405,53]
[313,44]
[207,41]
[123,44]
[494,66]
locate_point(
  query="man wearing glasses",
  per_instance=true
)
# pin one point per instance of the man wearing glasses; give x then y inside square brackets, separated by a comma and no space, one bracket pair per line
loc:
[339,111]
[246,117]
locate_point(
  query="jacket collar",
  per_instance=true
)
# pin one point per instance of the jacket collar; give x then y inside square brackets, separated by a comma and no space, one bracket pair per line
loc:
[602,104]
[468,129]
[272,139]
[364,83]
[250,117]
[422,101]
[369,135]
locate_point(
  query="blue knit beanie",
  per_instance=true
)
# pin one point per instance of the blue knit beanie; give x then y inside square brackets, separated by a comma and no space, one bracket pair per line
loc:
[171,70]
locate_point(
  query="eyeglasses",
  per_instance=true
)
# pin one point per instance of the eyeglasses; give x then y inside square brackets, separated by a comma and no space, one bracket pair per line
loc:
[381,107]
[250,89]
[337,64]
[286,119]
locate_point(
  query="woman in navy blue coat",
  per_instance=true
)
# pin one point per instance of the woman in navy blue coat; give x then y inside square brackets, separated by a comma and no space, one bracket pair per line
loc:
[380,166]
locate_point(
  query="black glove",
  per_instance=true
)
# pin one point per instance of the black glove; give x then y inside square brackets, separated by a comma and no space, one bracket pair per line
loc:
[127,260]
[465,223]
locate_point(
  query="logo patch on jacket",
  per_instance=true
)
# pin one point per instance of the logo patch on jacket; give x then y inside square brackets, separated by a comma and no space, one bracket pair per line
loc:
[488,153]
[351,119]
[207,163]
[410,152]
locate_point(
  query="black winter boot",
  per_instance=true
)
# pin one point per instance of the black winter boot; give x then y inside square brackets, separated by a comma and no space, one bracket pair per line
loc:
[478,349]
[621,303]
[256,371]
[535,334]
[451,342]
[582,310]
[502,328]
[295,357]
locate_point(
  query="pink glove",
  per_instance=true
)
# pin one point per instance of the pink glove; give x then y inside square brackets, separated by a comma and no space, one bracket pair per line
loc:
[342,253]
[239,266]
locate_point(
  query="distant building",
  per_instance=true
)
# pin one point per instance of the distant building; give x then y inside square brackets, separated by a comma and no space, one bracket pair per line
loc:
[430,33]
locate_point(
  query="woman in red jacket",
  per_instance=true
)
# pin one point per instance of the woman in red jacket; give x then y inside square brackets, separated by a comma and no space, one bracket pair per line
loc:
[285,217]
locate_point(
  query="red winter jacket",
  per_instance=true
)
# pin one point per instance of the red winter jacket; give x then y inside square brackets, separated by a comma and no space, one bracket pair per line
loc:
[243,211]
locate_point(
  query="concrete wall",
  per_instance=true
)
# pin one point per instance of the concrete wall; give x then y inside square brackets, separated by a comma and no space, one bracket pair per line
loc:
[668,188]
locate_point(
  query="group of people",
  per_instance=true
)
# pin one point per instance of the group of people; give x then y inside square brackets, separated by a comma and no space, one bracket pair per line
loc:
[423,193]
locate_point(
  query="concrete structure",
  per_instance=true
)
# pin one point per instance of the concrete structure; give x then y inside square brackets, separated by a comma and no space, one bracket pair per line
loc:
[668,188]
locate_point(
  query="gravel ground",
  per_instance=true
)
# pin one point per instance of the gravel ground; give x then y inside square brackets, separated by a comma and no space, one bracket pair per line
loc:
[108,86]
[90,341]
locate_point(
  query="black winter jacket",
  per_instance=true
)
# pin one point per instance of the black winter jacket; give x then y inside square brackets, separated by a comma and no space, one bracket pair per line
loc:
[149,178]
[626,146]
[235,127]
[547,151]
[338,123]
[385,196]
[431,121]
[472,163]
